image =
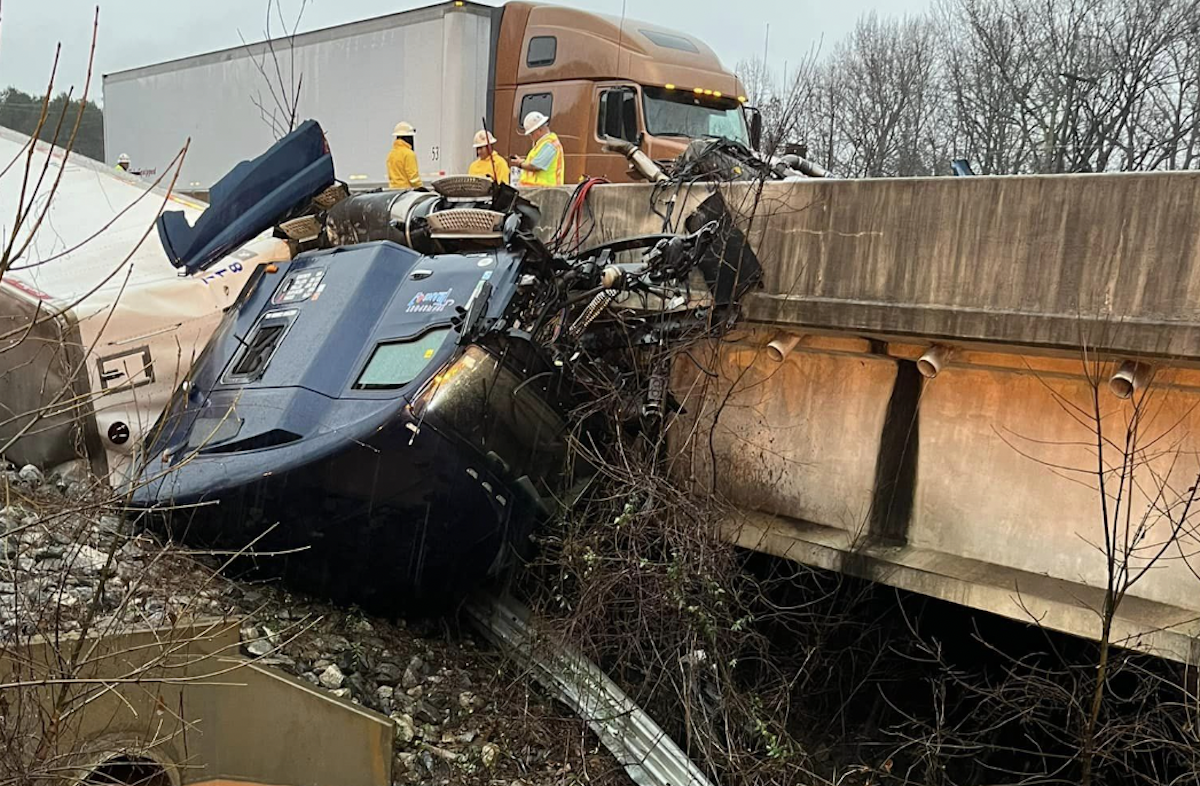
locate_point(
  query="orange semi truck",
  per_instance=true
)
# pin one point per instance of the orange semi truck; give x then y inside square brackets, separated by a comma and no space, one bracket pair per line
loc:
[443,68]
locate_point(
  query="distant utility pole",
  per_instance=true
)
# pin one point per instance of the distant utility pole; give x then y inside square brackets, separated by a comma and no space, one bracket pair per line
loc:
[766,43]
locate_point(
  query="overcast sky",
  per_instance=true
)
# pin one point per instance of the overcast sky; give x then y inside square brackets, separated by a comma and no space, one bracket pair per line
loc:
[139,32]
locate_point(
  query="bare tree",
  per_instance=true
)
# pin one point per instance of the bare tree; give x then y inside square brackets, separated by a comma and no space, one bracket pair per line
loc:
[1014,85]
[784,104]
[885,105]
[275,60]
[1146,486]
[1072,85]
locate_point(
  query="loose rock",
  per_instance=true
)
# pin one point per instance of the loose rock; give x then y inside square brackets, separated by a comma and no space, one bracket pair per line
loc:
[260,647]
[356,684]
[427,713]
[332,677]
[389,673]
[69,472]
[87,559]
[407,761]
[414,673]
[406,731]
[50,552]
[31,476]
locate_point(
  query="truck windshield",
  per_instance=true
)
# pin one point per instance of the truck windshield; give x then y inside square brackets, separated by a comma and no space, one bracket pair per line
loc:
[681,113]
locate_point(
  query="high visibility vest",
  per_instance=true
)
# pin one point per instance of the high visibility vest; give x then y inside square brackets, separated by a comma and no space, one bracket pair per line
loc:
[552,175]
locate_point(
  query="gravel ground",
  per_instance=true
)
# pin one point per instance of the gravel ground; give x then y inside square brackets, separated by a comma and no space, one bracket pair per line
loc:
[462,712]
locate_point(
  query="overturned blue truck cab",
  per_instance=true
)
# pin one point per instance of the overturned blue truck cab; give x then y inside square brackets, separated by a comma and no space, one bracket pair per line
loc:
[388,413]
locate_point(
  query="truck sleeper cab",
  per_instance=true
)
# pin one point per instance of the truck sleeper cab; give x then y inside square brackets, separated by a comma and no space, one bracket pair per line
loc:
[597,76]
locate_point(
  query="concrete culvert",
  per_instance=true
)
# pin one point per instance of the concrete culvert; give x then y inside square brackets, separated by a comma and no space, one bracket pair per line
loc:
[128,770]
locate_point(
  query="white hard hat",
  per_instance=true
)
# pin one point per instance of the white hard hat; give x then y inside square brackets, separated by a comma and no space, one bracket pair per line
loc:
[534,121]
[123,158]
[483,138]
[403,129]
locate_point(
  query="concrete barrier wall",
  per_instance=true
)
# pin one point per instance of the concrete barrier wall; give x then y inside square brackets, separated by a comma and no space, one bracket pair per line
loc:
[979,486]
[798,439]
[1008,475]
[1059,261]
[992,462]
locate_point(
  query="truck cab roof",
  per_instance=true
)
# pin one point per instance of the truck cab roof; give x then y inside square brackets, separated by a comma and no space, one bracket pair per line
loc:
[598,46]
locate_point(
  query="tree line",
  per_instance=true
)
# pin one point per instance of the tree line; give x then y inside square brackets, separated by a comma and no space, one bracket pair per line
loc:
[1014,86]
[20,111]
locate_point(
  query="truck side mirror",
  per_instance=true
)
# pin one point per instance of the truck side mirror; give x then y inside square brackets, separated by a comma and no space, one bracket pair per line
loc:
[629,124]
[755,129]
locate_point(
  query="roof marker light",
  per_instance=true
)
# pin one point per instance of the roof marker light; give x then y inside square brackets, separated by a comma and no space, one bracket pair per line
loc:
[670,87]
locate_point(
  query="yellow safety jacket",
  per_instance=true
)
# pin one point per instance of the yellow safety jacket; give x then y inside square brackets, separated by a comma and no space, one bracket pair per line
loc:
[552,175]
[495,167]
[402,166]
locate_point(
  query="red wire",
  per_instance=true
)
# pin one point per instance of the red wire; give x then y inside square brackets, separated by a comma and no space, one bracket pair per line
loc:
[575,209]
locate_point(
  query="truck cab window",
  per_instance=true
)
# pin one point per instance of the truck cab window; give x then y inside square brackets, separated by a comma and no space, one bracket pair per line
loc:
[394,364]
[684,114]
[536,102]
[617,114]
[542,51]
[670,41]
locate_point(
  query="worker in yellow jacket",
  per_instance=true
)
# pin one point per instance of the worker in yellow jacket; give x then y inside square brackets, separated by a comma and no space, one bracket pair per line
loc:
[545,164]
[488,163]
[402,161]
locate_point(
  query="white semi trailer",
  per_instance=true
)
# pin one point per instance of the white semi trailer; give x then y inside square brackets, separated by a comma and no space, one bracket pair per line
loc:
[443,68]
[426,66]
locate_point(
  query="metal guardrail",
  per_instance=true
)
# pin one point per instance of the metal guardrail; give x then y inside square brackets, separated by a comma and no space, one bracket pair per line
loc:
[648,754]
